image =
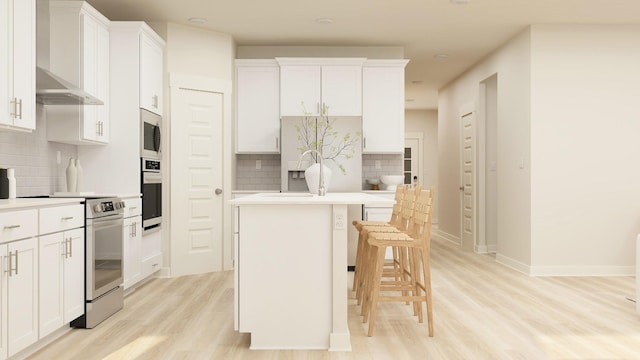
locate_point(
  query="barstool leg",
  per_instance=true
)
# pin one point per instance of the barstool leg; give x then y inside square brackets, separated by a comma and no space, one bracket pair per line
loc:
[375,293]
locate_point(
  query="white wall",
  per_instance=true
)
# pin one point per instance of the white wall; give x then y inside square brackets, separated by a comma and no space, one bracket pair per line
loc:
[426,123]
[512,64]
[585,130]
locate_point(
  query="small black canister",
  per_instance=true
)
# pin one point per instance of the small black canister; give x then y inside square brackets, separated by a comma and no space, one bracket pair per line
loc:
[4,184]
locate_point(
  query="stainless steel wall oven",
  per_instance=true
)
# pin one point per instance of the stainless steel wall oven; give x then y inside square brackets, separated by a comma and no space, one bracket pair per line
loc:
[104,294]
[151,195]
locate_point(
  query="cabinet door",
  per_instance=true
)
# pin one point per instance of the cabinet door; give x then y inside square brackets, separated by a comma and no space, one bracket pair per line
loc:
[299,90]
[18,61]
[342,90]
[22,291]
[103,86]
[150,75]
[258,109]
[73,282]
[132,248]
[6,87]
[95,78]
[51,284]
[383,109]
[3,300]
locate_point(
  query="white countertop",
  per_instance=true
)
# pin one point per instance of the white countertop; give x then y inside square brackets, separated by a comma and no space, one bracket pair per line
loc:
[299,198]
[36,202]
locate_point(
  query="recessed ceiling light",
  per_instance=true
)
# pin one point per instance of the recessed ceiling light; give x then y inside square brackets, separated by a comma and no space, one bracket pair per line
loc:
[441,56]
[460,2]
[197,20]
[324,20]
[417,82]
[409,100]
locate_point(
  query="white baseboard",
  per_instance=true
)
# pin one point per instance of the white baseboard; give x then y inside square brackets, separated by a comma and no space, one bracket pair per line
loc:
[565,270]
[582,271]
[446,236]
[513,264]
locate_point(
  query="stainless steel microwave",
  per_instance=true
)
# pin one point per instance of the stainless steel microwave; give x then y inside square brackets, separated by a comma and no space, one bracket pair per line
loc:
[150,137]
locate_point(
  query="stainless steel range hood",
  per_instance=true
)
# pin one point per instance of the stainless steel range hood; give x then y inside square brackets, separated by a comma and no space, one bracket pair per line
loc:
[50,88]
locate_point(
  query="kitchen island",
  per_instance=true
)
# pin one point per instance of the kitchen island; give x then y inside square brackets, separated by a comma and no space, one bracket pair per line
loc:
[291,269]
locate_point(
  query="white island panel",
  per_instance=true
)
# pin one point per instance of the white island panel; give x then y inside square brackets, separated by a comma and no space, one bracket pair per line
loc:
[291,269]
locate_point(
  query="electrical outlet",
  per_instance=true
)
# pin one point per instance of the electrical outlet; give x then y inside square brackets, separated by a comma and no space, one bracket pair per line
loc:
[339,221]
[258,164]
[378,165]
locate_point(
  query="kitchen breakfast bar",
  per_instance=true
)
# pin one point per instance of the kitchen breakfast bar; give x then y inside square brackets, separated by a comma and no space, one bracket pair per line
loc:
[291,269]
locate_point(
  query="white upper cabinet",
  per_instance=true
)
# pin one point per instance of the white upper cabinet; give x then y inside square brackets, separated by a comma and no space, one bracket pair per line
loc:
[309,84]
[17,62]
[79,42]
[150,74]
[257,106]
[383,106]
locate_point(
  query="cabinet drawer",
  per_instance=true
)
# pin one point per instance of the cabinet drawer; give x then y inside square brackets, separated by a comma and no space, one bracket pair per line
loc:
[16,225]
[151,264]
[59,218]
[132,207]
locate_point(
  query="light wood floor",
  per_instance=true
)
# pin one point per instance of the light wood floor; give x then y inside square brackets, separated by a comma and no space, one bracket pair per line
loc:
[482,311]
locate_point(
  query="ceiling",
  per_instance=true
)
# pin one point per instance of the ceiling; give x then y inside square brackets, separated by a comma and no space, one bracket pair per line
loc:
[440,37]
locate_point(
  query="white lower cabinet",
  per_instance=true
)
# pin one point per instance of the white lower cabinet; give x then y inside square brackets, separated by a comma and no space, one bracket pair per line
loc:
[61,265]
[132,249]
[21,277]
[61,279]
[18,281]
[132,237]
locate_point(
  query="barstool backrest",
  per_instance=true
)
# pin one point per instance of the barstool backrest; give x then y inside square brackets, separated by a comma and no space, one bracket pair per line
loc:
[420,226]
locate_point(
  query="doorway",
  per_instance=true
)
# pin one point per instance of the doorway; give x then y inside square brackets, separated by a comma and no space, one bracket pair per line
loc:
[198,110]
[468,176]
[488,165]
[412,160]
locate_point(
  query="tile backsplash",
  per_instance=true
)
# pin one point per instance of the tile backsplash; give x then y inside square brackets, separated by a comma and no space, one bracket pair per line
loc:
[34,159]
[268,176]
[390,164]
[265,178]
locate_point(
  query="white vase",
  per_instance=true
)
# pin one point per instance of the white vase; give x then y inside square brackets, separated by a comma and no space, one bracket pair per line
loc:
[72,176]
[79,176]
[312,176]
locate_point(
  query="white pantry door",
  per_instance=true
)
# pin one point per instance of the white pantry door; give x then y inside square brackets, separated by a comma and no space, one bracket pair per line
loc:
[196,180]
[467,141]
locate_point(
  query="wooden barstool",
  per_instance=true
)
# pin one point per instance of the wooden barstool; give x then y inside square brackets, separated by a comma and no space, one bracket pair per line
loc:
[416,242]
[397,266]
[394,221]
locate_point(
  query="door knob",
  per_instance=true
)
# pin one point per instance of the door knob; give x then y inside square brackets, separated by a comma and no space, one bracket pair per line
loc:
[218,191]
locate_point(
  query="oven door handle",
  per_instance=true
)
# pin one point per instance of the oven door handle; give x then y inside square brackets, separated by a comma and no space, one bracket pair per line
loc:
[103,223]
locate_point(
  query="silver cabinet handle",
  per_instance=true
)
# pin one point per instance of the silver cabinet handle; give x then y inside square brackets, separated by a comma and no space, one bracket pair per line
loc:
[19,116]
[10,257]
[14,107]
[318,108]
[12,226]
[16,269]
[67,218]
[98,128]
[277,143]
[70,247]
[364,142]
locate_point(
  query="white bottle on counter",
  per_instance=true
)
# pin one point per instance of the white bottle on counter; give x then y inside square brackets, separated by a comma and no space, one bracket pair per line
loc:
[79,176]
[11,175]
[71,176]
